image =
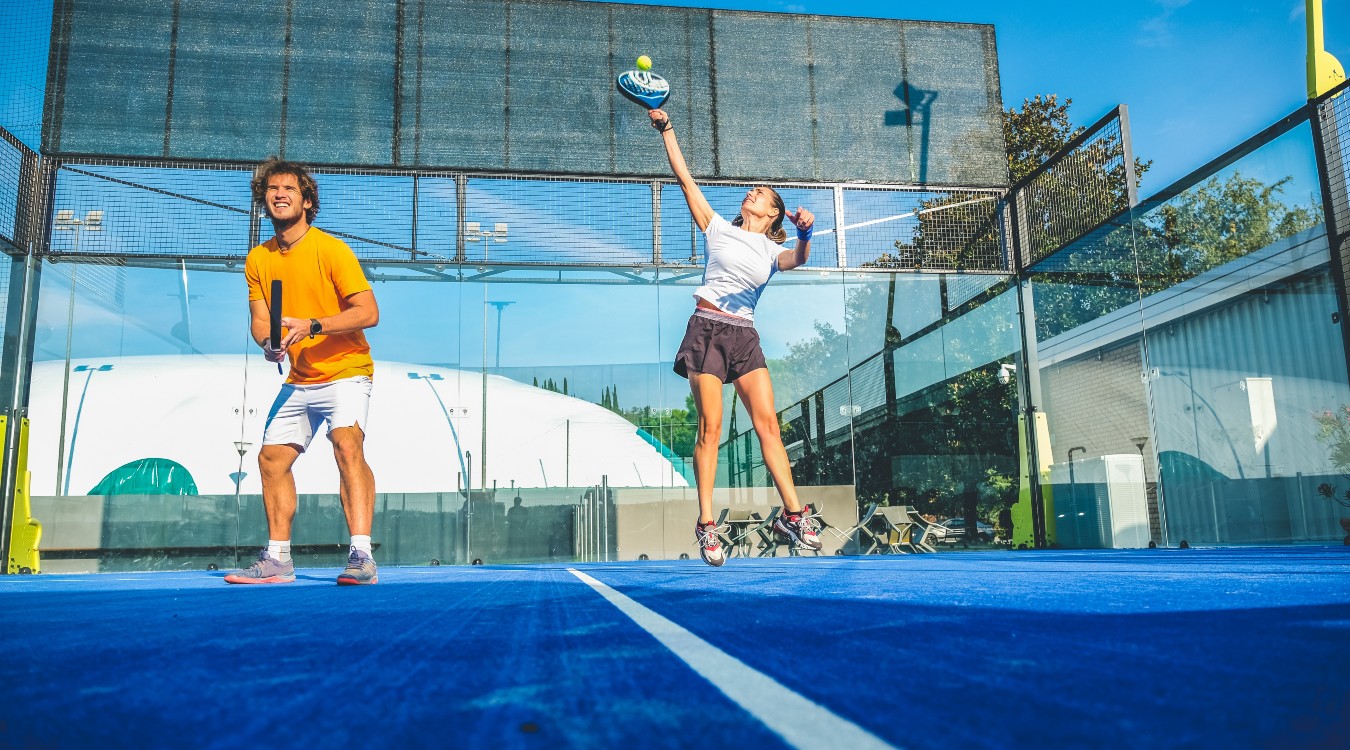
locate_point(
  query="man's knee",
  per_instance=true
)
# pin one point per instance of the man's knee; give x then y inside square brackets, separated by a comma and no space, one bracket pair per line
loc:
[276,460]
[348,444]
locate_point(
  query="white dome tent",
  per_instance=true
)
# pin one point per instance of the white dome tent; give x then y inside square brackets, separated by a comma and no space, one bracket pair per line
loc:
[424,428]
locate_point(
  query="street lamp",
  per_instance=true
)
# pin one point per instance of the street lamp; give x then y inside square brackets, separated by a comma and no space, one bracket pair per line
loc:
[75,429]
[429,378]
[499,306]
[65,221]
[474,232]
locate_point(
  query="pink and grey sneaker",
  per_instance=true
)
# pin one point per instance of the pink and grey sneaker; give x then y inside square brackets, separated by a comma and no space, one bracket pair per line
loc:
[799,527]
[710,544]
[266,569]
[360,570]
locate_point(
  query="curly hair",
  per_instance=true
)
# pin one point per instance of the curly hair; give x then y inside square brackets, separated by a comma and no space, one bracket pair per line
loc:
[309,189]
[775,232]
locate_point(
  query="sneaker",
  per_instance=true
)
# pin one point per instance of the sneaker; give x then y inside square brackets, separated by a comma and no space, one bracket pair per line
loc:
[360,569]
[800,528]
[267,569]
[709,544]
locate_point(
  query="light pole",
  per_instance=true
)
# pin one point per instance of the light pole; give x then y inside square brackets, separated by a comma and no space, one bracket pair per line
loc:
[429,378]
[65,221]
[499,306]
[241,447]
[75,430]
[474,232]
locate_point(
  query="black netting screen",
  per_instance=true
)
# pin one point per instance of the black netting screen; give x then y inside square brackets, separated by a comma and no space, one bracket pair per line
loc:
[524,86]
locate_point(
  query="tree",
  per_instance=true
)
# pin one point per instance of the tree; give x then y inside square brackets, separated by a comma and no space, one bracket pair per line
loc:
[959,231]
[675,428]
[1213,223]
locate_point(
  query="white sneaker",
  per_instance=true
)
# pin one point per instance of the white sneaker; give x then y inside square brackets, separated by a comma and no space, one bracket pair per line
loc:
[710,544]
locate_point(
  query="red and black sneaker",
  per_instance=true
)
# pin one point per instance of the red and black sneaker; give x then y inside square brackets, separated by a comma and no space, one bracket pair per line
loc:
[799,527]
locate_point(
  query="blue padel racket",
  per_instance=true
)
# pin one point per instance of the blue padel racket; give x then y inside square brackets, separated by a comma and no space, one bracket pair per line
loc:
[275,313]
[644,87]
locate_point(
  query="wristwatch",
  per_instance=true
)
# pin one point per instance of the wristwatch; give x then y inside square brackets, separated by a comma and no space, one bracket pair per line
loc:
[314,328]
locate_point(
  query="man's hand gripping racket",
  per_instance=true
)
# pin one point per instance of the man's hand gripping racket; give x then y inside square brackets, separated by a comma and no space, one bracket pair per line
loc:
[284,331]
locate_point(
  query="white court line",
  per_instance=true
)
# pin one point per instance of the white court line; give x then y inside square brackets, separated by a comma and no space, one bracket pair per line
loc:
[801,722]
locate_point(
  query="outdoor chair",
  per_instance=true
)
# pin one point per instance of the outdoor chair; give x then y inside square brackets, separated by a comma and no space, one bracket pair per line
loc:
[926,533]
[865,534]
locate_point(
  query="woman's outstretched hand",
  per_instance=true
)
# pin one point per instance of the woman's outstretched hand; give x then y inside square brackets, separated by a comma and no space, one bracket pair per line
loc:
[803,220]
[660,120]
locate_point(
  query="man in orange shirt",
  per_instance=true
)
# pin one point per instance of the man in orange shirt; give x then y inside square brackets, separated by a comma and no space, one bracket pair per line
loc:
[326,304]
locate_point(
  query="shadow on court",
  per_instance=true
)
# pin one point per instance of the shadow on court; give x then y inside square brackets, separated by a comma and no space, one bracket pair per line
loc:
[1164,648]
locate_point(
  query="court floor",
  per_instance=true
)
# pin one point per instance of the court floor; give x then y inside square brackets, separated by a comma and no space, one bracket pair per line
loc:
[1245,647]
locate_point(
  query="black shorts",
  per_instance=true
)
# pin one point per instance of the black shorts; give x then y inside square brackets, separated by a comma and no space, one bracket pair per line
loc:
[713,346]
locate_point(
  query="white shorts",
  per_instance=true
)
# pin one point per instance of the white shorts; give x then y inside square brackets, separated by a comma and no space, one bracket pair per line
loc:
[300,409]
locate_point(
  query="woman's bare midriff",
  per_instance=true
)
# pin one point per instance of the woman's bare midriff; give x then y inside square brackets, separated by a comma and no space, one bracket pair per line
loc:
[704,304]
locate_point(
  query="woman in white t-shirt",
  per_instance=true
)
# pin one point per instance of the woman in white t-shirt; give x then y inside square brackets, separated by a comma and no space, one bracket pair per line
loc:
[721,345]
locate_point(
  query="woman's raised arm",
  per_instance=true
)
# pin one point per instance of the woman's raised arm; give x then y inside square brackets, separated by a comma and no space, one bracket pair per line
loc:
[698,205]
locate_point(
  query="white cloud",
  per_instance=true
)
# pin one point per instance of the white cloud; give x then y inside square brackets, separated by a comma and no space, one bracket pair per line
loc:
[1157,31]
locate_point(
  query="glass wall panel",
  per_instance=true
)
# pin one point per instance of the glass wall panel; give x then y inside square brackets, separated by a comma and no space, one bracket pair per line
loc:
[1088,356]
[947,445]
[143,422]
[1243,356]
[8,266]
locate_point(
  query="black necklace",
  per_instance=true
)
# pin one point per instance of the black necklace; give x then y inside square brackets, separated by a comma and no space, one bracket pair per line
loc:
[284,248]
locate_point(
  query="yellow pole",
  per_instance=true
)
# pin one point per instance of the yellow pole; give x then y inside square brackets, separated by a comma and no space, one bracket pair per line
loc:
[26,532]
[1324,71]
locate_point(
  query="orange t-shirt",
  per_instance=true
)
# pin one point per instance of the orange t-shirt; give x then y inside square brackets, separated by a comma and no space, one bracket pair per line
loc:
[317,276]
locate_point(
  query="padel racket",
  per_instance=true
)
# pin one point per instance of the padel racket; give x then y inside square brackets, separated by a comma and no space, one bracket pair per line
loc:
[275,333]
[644,87]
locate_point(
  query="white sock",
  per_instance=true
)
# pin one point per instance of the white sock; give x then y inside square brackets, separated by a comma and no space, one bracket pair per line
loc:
[362,542]
[280,549]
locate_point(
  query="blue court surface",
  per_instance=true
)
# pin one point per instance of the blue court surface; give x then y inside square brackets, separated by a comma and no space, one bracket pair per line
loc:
[1190,648]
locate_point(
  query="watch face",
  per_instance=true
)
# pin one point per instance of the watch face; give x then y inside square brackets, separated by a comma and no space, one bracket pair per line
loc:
[314,328]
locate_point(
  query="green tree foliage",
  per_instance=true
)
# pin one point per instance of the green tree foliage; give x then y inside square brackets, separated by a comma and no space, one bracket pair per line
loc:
[676,428]
[1036,132]
[959,231]
[1212,223]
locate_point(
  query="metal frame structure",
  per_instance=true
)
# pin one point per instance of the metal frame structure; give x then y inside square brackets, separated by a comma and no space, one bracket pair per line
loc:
[30,244]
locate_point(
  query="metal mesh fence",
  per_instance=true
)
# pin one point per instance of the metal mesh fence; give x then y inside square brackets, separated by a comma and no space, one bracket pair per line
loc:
[1090,181]
[23,68]
[11,178]
[1332,119]
[961,288]
[525,87]
[202,210]
[914,229]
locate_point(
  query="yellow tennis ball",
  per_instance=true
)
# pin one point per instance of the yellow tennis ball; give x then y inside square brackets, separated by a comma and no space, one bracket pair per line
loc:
[644,62]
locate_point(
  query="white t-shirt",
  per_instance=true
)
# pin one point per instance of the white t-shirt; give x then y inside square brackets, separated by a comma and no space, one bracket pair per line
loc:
[738,267]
